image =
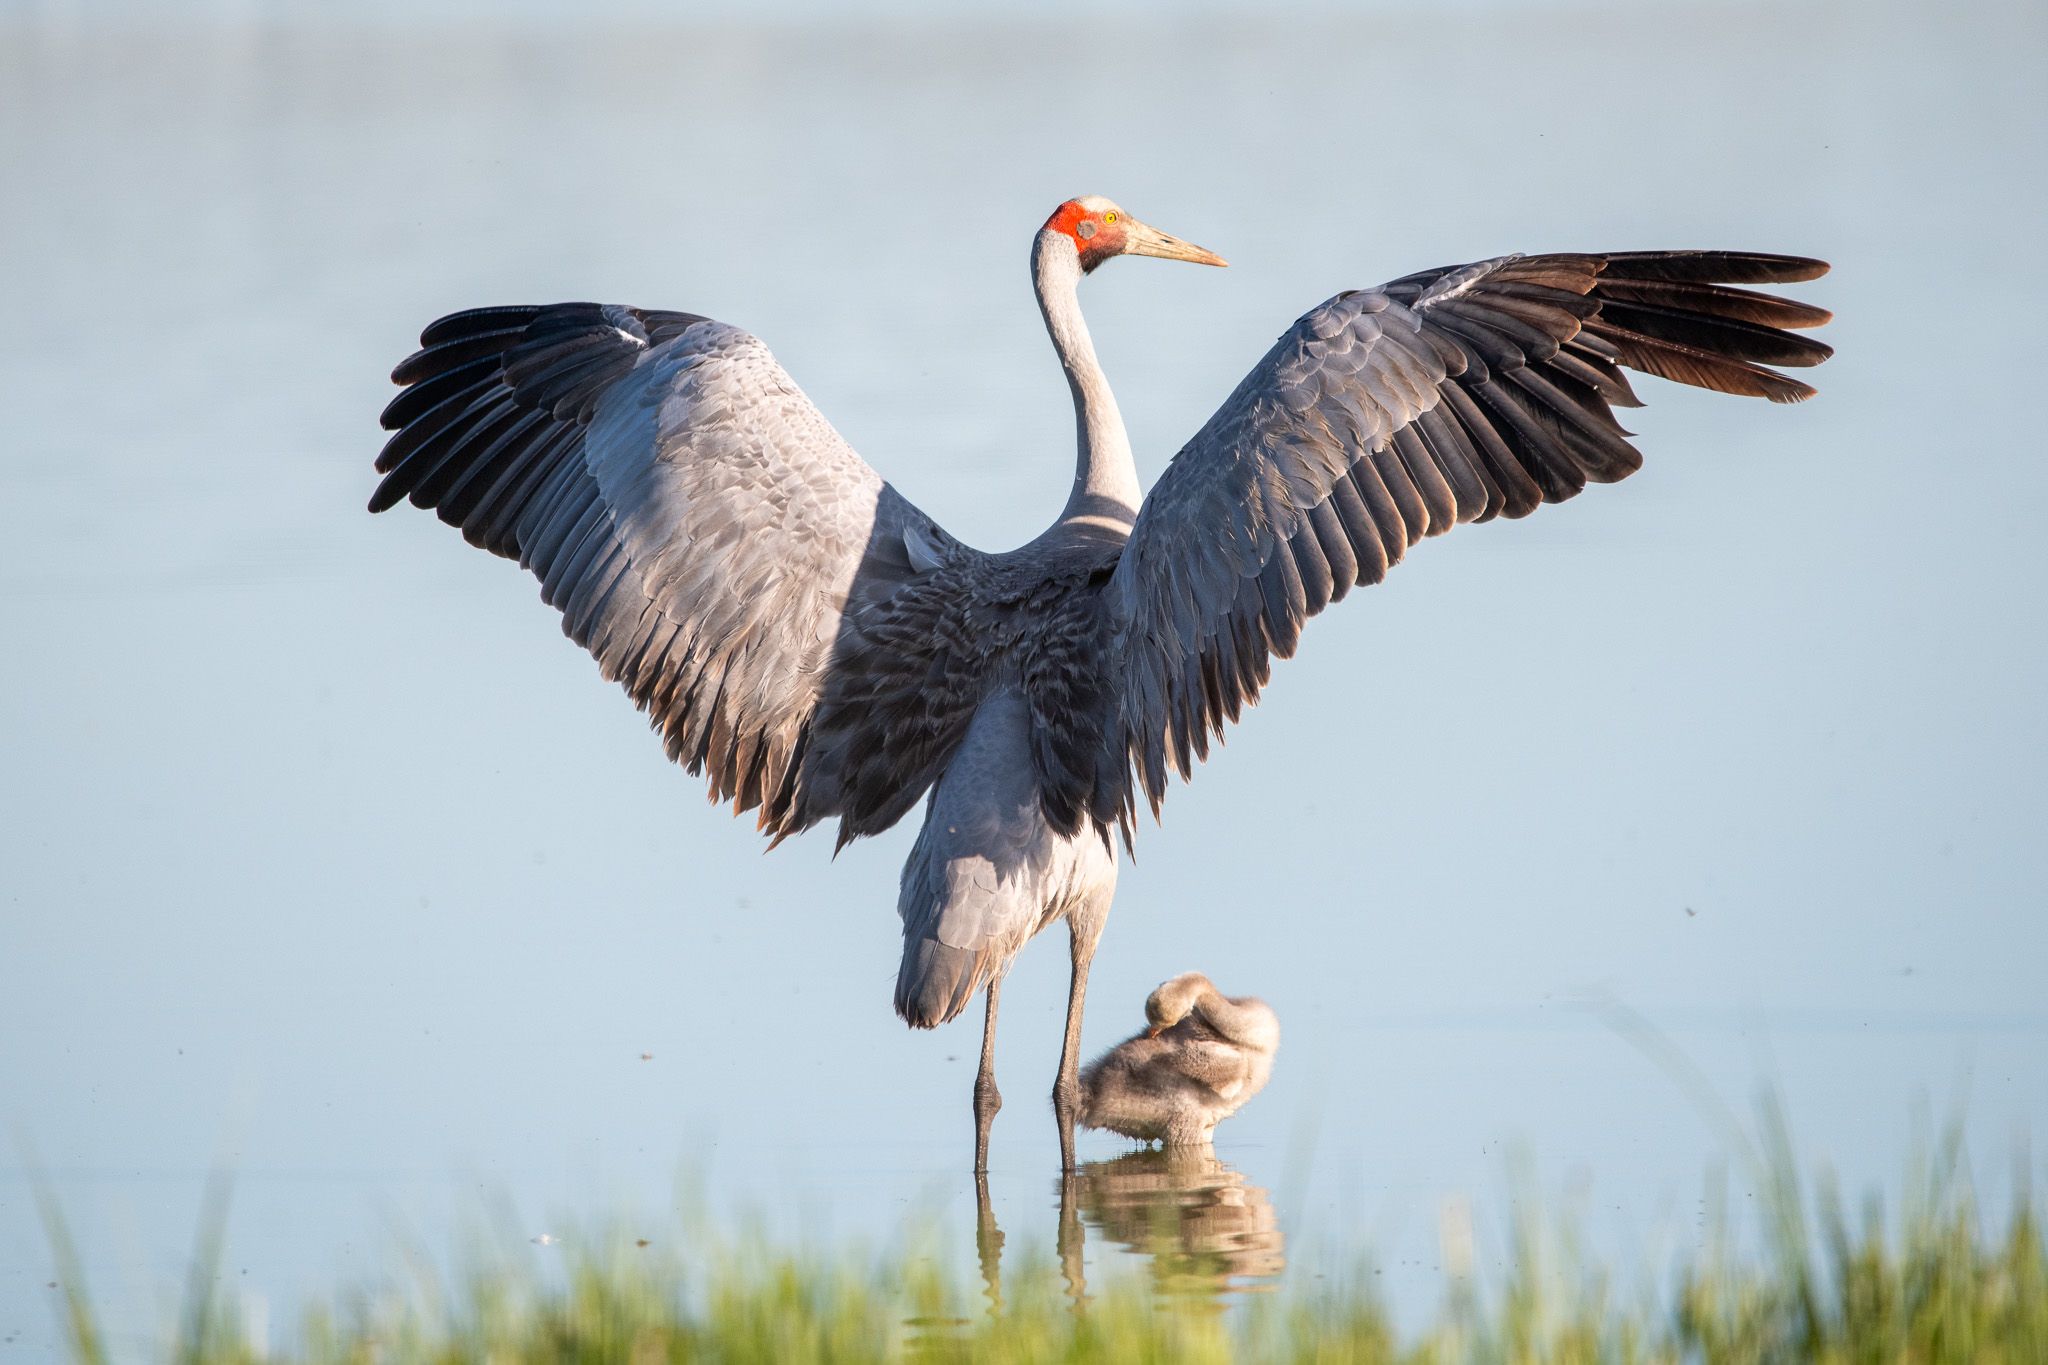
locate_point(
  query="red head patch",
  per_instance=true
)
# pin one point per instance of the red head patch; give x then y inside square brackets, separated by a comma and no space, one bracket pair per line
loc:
[1095,226]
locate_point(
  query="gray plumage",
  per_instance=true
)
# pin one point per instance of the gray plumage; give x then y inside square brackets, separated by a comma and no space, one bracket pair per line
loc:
[1387,415]
[819,648]
[989,870]
[706,535]
[1200,1060]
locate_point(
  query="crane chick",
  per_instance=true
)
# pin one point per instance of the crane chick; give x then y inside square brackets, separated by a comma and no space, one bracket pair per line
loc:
[1201,1056]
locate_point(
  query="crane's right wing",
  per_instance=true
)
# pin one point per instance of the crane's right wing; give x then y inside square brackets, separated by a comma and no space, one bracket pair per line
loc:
[1390,414]
[705,533]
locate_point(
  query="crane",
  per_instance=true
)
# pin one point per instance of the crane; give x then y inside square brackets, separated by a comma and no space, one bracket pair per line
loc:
[1201,1058]
[815,645]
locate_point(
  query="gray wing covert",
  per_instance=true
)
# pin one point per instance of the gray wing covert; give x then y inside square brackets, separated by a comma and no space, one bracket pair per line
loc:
[705,533]
[1386,415]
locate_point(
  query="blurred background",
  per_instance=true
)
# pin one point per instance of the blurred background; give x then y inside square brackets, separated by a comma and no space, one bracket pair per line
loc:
[324,858]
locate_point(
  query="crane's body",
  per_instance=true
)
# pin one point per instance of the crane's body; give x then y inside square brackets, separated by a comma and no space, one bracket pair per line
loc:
[820,648]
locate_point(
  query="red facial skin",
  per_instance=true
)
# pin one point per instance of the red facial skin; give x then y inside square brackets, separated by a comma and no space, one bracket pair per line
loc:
[1106,240]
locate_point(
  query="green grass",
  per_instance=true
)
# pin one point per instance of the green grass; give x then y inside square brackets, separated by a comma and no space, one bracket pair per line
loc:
[1934,1282]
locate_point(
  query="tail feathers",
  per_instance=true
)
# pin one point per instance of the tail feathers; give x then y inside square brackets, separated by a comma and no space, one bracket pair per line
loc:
[936,981]
[983,870]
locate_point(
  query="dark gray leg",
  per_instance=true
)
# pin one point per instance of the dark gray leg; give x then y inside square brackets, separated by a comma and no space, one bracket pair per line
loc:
[1085,927]
[987,1099]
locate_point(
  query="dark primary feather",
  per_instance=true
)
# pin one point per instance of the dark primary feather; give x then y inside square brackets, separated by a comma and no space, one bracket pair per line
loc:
[1386,415]
[706,536]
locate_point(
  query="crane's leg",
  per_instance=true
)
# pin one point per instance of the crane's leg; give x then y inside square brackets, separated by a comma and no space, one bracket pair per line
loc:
[1084,927]
[987,1099]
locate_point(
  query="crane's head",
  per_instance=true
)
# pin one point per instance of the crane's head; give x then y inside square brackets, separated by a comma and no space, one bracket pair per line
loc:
[1100,230]
[1174,1001]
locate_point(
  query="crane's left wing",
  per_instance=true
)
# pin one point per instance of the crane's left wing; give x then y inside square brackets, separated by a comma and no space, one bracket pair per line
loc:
[752,583]
[1389,414]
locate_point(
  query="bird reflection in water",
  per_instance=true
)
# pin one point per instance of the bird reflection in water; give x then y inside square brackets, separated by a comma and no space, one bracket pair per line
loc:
[1206,1231]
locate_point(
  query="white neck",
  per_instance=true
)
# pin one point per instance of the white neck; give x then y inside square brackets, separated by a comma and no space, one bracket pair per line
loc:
[1106,493]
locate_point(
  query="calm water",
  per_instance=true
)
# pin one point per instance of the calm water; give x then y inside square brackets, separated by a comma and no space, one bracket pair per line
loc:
[326,857]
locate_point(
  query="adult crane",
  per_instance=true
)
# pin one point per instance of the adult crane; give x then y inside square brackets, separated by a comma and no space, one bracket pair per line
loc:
[800,632]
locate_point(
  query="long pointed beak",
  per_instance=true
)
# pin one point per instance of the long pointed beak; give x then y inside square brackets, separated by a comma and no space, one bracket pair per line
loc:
[1142,239]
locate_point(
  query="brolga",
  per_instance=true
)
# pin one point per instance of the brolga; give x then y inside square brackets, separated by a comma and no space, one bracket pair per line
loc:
[1202,1057]
[803,635]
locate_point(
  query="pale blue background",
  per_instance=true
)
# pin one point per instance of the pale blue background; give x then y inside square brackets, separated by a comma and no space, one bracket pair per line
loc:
[324,853]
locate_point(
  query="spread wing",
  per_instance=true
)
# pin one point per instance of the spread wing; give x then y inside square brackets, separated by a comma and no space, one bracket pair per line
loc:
[1389,414]
[703,530]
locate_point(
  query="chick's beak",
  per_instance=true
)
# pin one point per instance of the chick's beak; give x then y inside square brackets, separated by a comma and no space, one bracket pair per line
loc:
[1154,1030]
[1142,239]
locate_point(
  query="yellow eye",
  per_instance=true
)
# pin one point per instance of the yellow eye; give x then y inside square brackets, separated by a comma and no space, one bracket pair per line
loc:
[1109,217]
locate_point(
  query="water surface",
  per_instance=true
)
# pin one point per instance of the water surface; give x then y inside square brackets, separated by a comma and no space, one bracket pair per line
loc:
[326,856]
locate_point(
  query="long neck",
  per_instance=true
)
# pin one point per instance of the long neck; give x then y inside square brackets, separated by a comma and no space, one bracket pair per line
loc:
[1247,1022]
[1106,493]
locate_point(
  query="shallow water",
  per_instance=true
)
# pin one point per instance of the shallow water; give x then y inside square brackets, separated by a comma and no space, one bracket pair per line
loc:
[328,860]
